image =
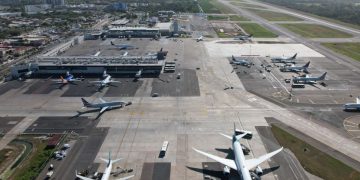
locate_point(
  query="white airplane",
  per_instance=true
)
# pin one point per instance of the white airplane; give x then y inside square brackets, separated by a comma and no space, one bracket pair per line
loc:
[294,68]
[104,105]
[238,61]
[243,37]
[240,164]
[105,82]
[107,173]
[284,59]
[138,74]
[201,38]
[69,78]
[353,106]
[309,80]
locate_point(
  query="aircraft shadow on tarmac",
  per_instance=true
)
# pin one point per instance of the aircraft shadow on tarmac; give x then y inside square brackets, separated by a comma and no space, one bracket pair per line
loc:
[220,174]
[79,113]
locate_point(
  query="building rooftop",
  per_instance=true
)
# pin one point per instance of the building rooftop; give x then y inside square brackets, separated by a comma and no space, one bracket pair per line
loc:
[132,28]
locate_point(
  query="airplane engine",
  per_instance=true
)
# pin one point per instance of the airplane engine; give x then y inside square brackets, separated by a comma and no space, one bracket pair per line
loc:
[254,176]
[226,170]
[259,171]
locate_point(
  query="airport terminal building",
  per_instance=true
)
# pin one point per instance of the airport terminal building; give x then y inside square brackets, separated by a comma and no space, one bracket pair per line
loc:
[91,65]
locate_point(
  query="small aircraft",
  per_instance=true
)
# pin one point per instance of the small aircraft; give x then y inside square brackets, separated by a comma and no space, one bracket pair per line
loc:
[104,105]
[242,62]
[201,38]
[138,74]
[309,80]
[122,46]
[105,82]
[69,78]
[294,68]
[284,59]
[244,37]
[353,106]
[106,176]
[240,164]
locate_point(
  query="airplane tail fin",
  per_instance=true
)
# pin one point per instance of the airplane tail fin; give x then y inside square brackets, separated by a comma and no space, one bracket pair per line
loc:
[161,49]
[109,161]
[322,77]
[105,74]
[112,43]
[294,56]
[250,35]
[307,65]
[233,58]
[86,104]
[358,100]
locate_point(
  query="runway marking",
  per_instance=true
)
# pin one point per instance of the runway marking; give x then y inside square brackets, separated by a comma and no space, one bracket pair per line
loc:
[353,130]
[350,122]
[312,102]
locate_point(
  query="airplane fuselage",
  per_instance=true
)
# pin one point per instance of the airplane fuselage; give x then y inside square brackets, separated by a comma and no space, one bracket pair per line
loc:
[107,172]
[107,104]
[240,160]
[282,60]
[352,106]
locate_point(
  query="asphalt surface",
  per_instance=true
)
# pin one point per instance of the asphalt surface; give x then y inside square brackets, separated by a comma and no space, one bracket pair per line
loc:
[126,88]
[7,123]
[50,125]
[10,85]
[285,165]
[42,86]
[321,146]
[154,171]
[169,85]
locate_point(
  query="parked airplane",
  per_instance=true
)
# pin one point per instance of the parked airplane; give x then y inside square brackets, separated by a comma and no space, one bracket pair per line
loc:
[201,38]
[138,74]
[122,46]
[238,61]
[243,37]
[105,82]
[309,80]
[353,106]
[103,106]
[69,78]
[240,164]
[294,68]
[107,173]
[284,59]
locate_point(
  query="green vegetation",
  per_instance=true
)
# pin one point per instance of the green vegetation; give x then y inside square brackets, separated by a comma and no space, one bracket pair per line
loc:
[214,6]
[238,18]
[351,50]
[275,16]
[34,163]
[257,30]
[225,18]
[217,18]
[315,31]
[222,34]
[313,160]
[344,10]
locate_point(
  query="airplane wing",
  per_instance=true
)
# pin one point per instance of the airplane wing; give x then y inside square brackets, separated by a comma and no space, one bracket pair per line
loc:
[114,81]
[125,178]
[229,137]
[104,109]
[251,163]
[82,177]
[103,101]
[226,162]
[95,81]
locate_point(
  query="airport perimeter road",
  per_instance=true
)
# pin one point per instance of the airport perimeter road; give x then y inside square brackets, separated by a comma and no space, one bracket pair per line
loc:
[350,63]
